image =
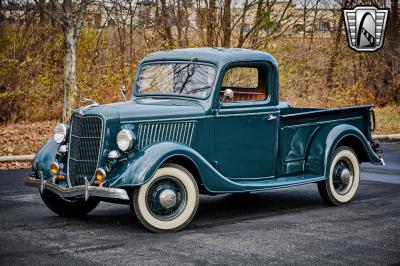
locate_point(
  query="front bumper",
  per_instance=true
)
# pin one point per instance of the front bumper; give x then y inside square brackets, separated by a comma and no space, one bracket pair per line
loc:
[85,191]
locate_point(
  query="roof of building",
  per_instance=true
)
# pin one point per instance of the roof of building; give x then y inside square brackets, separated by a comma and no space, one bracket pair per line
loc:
[217,56]
[146,3]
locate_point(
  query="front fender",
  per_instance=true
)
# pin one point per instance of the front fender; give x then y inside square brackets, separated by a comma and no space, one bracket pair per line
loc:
[141,166]
[326,141]
[45,156]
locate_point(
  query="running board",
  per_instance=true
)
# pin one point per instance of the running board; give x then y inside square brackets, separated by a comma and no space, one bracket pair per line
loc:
[279,182]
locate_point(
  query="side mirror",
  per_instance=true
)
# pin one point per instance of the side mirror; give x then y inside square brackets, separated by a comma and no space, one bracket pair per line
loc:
[228,94]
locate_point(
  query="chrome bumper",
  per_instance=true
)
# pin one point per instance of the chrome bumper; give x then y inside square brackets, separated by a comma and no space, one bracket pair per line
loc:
[78,191]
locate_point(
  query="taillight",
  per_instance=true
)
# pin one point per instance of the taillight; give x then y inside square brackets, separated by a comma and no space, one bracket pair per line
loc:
[372,121]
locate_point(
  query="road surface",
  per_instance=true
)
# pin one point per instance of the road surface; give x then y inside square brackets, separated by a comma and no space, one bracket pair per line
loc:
[286,226]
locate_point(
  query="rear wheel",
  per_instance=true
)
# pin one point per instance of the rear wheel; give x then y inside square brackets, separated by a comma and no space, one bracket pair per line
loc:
[344,177]
[168,201]
[67,207]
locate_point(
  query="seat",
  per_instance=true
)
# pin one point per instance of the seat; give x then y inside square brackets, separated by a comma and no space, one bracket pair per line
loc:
[241,96]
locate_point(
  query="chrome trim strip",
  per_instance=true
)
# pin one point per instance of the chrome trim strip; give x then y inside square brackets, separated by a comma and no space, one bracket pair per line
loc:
[323,122]
[79,191]
[245,114]
[191,134]
[86,189]
[252,178]
[195,117]
[42,182]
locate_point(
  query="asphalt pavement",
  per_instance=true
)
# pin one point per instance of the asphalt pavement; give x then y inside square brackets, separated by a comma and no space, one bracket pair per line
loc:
[279,227]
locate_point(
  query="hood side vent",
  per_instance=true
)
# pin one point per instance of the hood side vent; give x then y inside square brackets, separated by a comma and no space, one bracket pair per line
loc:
[181,132]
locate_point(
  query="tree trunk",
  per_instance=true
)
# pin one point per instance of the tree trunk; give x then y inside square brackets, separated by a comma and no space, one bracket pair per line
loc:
[392,49]
[335,53]
[254,36]
[314,21]
[70,88]
[304,20]
[226,24]
[166,24]
[178,18]
[211,24]
[242,24]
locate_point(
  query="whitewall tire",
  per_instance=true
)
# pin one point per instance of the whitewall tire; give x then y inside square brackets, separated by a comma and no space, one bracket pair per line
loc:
[168,201]
[343,179]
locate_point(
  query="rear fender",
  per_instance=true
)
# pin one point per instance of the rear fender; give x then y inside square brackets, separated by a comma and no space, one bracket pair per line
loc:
[328,139]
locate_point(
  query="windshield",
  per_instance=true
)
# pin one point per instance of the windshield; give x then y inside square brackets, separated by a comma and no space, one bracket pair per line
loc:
[191,79]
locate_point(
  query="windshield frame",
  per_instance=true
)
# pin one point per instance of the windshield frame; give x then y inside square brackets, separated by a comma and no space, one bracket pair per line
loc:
[174,95]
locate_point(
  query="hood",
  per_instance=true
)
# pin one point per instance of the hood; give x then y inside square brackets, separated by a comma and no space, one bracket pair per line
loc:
[148,109]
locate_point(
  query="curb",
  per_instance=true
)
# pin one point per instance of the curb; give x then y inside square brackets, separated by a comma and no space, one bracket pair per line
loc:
[387,138]
[16,158]
[26,158]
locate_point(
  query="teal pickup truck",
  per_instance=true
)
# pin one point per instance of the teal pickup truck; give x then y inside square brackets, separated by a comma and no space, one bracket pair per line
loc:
[200,121]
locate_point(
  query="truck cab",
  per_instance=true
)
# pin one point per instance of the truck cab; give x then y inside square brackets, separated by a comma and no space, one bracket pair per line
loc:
[200,121]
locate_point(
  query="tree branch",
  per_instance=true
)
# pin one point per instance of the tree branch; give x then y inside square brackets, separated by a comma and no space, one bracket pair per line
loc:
[56,20]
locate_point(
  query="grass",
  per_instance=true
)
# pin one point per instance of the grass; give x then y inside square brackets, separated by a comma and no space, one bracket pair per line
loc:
[27,137]
[387,120]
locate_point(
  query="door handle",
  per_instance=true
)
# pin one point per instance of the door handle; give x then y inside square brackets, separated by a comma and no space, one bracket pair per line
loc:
[271,117]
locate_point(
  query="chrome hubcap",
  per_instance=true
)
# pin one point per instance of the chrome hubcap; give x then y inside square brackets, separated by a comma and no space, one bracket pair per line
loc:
[343,176]
[167,198]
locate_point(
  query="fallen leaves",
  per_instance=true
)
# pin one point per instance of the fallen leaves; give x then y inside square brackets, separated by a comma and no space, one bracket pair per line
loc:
[15,165]
[24,137]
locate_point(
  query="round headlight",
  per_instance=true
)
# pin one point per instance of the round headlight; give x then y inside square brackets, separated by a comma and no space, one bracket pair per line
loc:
[60,133]
[125,139]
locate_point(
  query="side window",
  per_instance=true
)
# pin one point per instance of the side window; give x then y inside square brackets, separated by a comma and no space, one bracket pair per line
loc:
[247,83]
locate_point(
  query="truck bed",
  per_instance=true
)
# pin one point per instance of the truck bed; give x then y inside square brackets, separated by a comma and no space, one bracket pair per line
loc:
[298,126]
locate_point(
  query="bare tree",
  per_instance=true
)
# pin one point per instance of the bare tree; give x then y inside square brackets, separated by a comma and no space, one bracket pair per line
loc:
[166,27]
[226,23]
[336,43]
[243,23]
[393,47]
[70,15]
[211,14]
[257,19]
[316,6]
[275,24]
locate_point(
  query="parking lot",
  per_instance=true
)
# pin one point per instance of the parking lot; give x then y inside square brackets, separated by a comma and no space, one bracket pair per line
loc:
[286,226]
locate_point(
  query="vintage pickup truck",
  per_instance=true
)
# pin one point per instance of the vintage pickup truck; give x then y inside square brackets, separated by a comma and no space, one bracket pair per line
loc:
[200,121]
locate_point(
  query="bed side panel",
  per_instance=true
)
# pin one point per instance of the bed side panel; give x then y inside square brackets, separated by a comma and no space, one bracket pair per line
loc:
[297,130]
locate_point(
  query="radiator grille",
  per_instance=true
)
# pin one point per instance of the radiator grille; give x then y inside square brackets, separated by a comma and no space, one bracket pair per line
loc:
[84,148]
[181,132]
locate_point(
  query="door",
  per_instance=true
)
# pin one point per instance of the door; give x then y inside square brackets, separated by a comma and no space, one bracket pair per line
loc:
[246,126]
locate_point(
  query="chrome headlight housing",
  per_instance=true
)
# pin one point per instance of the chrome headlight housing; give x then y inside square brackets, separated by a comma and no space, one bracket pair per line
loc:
[60,133]
[125,139]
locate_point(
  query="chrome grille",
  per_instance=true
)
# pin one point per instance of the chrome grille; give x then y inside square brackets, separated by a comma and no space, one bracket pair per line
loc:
[181,132]
[84,148]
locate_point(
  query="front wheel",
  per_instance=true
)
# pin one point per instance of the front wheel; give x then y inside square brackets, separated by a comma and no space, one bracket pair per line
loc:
[344,177]
[68,207]
[168,201]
